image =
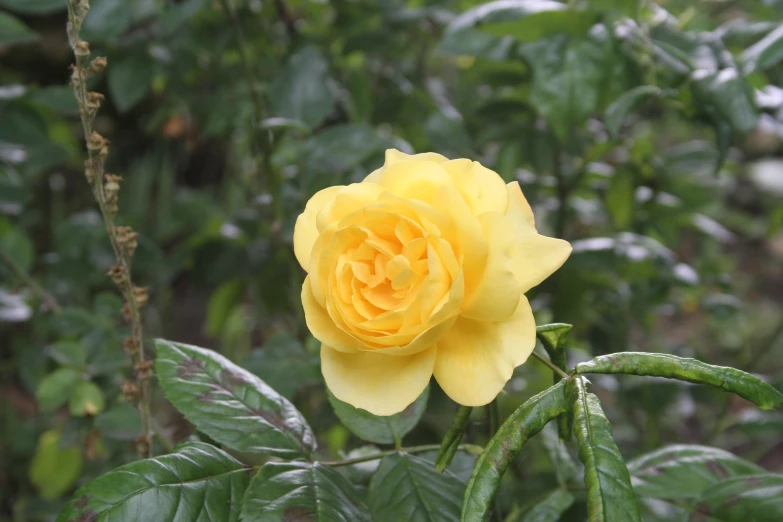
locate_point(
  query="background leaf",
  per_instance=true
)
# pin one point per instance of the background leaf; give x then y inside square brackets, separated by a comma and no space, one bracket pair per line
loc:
[684,471]
[230,404]
[406,487]
[54,470]
[301,91]
[302,491]
[129,80]
[13,31]
[197,482]
[741,499]
[383,430]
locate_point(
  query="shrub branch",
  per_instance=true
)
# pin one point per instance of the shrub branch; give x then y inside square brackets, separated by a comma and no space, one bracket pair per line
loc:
[105,189]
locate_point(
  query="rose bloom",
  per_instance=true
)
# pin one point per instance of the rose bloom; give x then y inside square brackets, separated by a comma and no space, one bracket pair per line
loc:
[421,270]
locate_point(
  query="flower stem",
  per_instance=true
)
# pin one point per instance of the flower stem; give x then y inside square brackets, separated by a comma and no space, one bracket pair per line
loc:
[470,448]
[554,368]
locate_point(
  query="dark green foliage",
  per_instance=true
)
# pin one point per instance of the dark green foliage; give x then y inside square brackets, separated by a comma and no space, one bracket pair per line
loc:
[230,404]
[197,482]
[292,491]
[383,430]
[406,487]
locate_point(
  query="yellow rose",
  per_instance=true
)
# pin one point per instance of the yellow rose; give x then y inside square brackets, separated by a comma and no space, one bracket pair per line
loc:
[421,269]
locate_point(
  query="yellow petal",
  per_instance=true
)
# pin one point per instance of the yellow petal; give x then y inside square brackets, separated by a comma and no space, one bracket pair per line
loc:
[483,189]
[322,326]
[476,359]
[305,231]
[348,200]
[381,384]
[496,295]
[519,212]
[467,238]
[536,257]
[395,156]
[414,179]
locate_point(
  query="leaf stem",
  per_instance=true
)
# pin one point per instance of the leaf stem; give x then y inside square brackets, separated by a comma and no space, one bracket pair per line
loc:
[553,367]
[470,448]
[49,301]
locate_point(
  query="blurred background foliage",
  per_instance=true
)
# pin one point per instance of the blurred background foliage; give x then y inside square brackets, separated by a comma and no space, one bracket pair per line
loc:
[649,134]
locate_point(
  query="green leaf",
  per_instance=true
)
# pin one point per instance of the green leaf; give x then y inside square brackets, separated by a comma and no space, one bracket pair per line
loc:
[284,364]
[551,508]
[297,490]
[55,389]
[526,20]
[34,7]
[17,246]
[59,98]
[407,488]
[197,482]
[503,448]
[129,80]
[537,19]
[230,404]
[621,197]
[68,353]
[757,498]
[672,367]
[54,470]
[728,93]
[86,399]
[764,54]
[107,19]
[619,109]
[568,76]
[450,443]
[301,90]
[120,422]
[610,497]
[626,7]
[13,31]
[565,467]
[285,123]
[684,471]
[382,430]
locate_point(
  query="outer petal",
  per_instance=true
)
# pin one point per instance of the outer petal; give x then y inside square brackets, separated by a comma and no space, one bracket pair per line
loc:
[519,212]
[497,293]
[476,359]
[395,156]
[483,189]
[535,257]
[381,384]
[322,326]
[305,231]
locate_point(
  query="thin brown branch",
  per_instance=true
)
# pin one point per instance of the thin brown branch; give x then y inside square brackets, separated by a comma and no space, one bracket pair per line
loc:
[105,188]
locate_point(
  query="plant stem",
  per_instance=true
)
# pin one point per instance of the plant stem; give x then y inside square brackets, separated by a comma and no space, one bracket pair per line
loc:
[48,300]
[121,245]
[472,448]
[553,367]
